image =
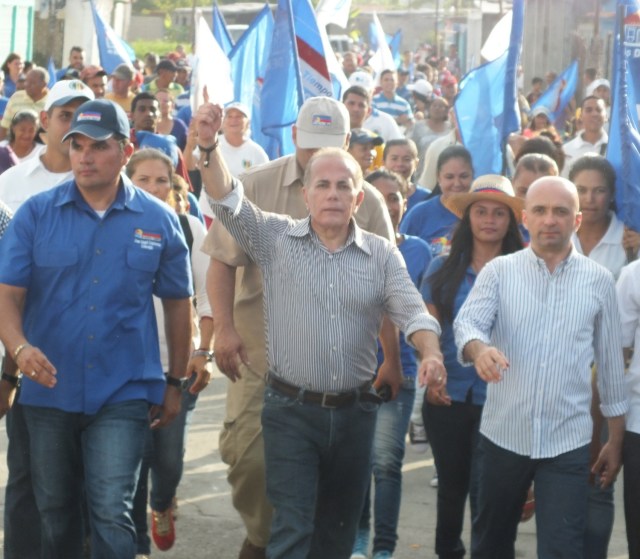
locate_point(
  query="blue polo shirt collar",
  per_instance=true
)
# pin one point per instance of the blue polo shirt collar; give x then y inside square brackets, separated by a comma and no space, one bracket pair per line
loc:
[125,199]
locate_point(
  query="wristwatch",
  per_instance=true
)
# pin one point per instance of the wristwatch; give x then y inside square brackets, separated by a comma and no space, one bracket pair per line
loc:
[180,383]
[204,353]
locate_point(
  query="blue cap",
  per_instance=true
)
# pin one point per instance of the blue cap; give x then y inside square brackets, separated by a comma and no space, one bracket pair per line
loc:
[364,136]
[164,143]
[99,120]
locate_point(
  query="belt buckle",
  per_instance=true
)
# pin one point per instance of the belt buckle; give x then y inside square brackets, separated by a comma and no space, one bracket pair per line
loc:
[324,399]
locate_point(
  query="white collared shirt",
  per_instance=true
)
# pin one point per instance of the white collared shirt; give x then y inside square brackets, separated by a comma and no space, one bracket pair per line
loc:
[609,251]
[30,177]
[578,147]
[628,289]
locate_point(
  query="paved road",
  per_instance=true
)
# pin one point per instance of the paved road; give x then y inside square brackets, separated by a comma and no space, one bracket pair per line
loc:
[209,528]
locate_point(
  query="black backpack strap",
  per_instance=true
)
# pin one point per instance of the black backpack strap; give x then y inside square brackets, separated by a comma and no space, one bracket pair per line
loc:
[186,229]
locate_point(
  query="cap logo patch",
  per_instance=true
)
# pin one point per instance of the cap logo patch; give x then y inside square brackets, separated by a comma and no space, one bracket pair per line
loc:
[321,120]
[75,84]
[89,116]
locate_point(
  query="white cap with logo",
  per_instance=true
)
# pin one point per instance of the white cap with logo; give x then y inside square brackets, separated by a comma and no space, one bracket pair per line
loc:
[65,91]
[322,122]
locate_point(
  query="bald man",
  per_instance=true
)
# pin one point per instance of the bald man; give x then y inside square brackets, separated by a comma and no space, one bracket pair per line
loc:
[532,326]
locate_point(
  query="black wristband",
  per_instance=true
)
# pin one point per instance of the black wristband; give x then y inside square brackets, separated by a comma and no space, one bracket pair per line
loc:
[180,383]
[15,381]
[208,151]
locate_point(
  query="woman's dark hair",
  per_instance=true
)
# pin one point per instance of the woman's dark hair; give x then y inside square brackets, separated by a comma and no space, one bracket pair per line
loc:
[447,280]
[454,152]
[10,58]
[27,115]
[389,175]
[593,162]
[545,145]
[400,142]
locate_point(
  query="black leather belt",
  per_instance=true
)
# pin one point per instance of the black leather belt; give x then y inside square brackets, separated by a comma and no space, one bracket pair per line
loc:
[325,399]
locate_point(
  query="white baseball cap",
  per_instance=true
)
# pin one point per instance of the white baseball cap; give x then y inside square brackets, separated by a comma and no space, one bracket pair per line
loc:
[363,79]
[322,122]
[65,91]
[421,87]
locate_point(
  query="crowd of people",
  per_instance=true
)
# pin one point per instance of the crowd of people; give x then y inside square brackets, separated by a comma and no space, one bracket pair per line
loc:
[365,290]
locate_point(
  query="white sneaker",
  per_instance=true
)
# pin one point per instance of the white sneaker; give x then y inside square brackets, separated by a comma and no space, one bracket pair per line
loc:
[434,481]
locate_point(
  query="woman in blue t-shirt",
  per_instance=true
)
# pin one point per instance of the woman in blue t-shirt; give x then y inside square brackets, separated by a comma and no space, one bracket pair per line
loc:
[431,220]
[488,228]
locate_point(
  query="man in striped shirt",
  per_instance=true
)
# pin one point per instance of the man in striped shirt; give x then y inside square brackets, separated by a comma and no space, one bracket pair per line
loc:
[327,285]
[390,102]
[533,324]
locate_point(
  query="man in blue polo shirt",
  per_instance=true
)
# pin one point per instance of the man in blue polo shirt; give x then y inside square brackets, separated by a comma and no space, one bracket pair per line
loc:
[79,266]
[390,102]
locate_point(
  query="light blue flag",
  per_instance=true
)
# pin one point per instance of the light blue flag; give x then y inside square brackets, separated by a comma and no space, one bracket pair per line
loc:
[558,95]
[394,45]
[281,96]
[487,105]
[110,45]
[248,63]
[220,31]
[623,151]
[51,68]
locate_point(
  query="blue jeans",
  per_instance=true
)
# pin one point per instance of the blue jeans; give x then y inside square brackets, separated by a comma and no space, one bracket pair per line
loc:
[164,458]
[561,486]
[21,516]
[388,454]
[453,433]
[317,466]
[105,450]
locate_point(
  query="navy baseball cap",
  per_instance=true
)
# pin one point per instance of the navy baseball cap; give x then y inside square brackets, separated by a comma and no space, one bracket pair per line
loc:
[99,120]
[364,136]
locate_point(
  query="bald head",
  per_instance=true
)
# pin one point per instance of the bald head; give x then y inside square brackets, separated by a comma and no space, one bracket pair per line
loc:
[551,215]
[552,187]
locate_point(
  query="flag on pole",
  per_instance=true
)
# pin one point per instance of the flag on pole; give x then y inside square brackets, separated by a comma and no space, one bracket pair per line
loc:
[558,95]
[220,31]
[498,40]
[248,62]
[211,68]
[382,59]
[623,151]
[314,71]
[487,106]
[394,44]
[333,11]
[282,94]
[110,46]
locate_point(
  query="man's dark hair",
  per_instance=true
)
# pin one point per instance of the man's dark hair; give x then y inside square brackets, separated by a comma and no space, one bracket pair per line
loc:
[591,73]
[141,96]
[588,98]
[76,49]
[385,72]
[536,81]
[356,90]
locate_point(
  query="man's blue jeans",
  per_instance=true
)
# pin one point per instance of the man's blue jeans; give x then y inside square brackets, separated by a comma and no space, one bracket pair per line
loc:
[164,460]
[105,450]
[21,517]
[317,466]
[561,487]
[388,454]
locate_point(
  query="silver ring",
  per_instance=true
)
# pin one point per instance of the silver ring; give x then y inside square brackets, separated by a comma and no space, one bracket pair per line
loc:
[33,374]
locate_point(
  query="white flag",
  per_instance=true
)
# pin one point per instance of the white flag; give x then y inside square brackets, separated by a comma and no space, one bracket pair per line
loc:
[333,11]
[498,40]
[382,58]
[211,68]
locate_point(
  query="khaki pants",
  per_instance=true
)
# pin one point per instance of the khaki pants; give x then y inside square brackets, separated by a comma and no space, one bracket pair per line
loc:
[242,449]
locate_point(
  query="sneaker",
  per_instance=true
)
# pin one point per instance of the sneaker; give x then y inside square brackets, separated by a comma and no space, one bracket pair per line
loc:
[434,481]
[382,555]
[162,529]
[418,437]
[361,545]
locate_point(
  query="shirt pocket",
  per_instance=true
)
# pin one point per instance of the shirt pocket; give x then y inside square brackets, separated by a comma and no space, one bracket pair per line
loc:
[142,266]
[57,269]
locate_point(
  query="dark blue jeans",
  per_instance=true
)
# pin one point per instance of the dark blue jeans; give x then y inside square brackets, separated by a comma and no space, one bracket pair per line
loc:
[105,450]
[453,432]
[388,454]
[317,466]
[561,486]
[164,460]
[21,516]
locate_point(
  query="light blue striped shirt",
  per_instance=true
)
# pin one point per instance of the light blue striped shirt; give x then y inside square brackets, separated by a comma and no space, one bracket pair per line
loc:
[551,327]
[323,310]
